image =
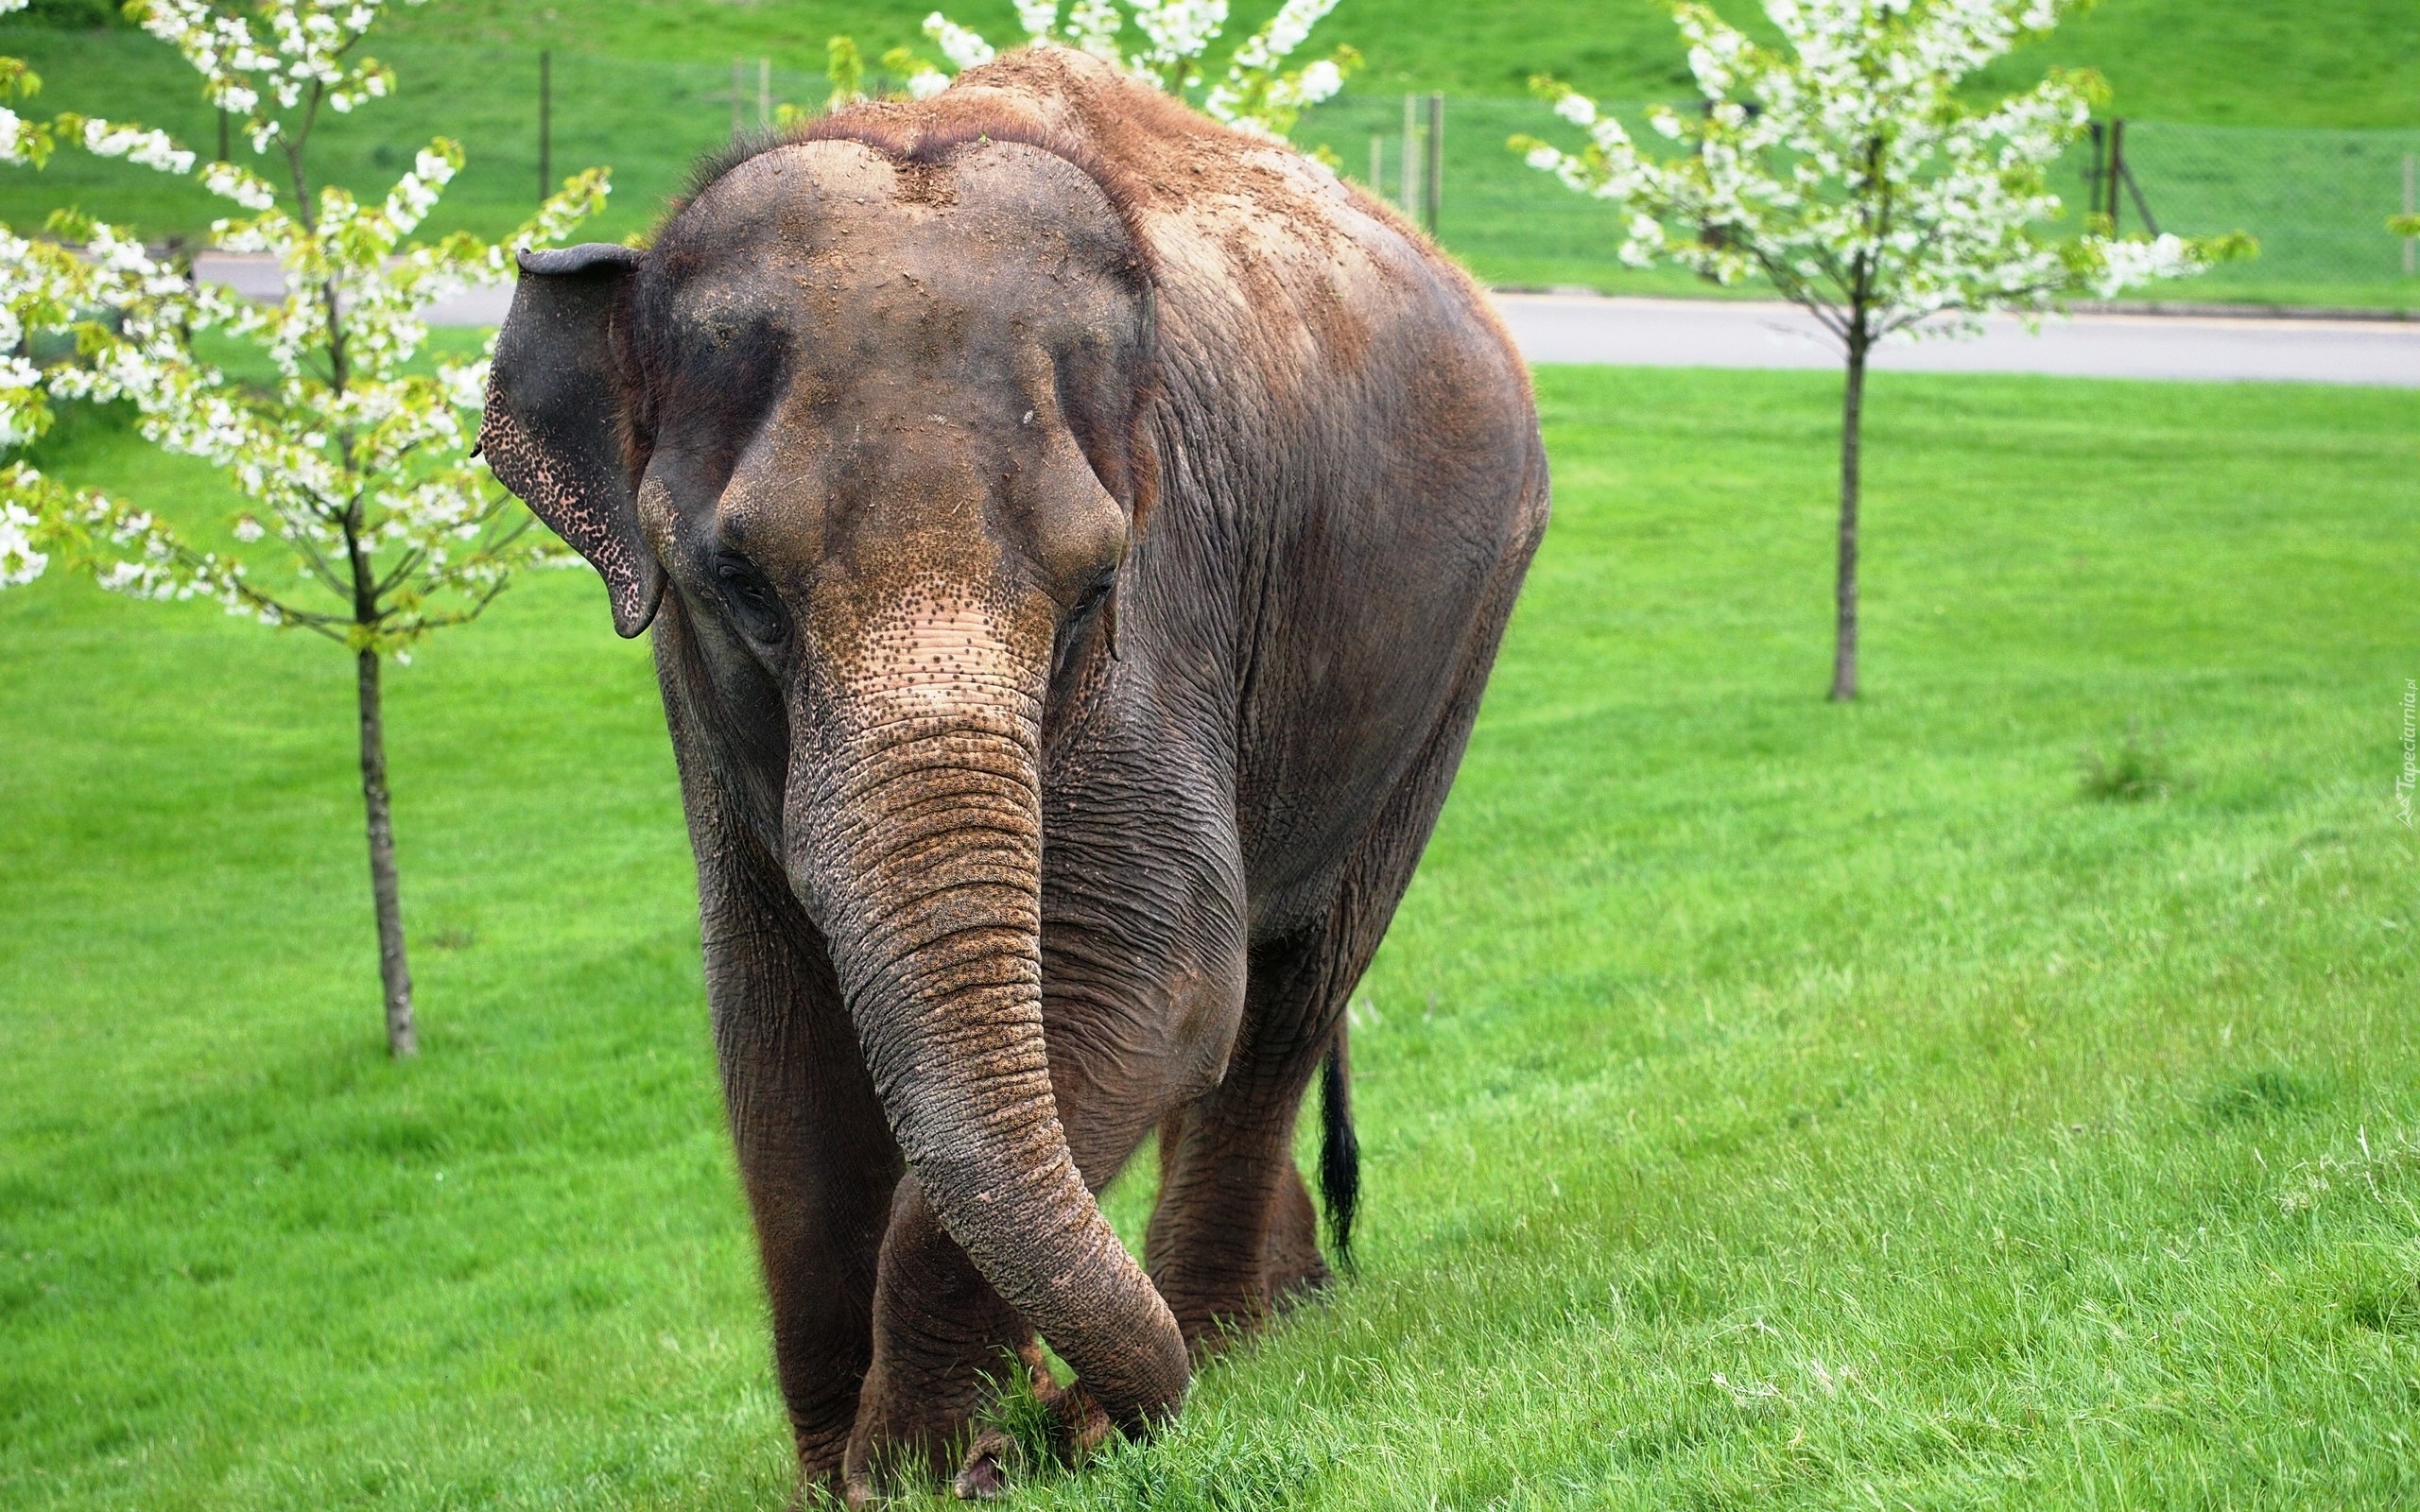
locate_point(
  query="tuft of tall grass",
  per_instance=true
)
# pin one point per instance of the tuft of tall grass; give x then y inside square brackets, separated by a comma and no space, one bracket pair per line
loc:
[2136,771]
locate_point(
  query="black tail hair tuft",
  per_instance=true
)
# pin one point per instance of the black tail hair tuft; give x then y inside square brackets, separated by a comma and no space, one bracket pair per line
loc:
[1340,1151]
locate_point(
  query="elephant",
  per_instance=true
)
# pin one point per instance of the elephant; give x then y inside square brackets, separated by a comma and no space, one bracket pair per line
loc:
[1076,536]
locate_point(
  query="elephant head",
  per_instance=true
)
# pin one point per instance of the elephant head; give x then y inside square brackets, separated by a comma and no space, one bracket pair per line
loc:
[872,416]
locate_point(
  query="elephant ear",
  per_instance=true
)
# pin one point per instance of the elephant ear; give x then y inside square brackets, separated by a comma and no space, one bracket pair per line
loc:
[553,428]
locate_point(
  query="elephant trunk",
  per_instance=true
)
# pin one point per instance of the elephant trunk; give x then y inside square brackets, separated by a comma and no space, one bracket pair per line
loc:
[914,807]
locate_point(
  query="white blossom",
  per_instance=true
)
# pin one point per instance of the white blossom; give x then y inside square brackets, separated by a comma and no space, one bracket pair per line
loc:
[1178,31]
[362,466]
[1093,26]
[1284,33]
[20,563]
[1863,185]
[302,47]
[1256,92]
[150,149]
[2125,264]
[241,185]
[963,49]
[20,140]
[20,387]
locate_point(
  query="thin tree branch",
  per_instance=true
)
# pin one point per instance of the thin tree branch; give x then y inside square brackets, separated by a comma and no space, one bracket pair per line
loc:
[401,573]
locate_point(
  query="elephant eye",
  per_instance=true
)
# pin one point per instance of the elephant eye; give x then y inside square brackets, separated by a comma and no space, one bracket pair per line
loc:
[752,601]
[1088,605]
[1093,593]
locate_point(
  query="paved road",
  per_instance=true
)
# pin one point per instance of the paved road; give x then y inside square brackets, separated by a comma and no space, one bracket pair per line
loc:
[1737,334]
[258,276]
[1726,333]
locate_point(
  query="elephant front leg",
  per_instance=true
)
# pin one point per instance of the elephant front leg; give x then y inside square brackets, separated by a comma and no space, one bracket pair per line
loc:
[815,1156]
[943,1346]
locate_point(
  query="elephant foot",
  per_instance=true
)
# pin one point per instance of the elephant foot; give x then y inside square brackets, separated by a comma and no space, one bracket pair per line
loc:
[1290,1259]
[817,1495]
[985,1474]
[1076,1425]
[903,1462]
[821,1482]
[857,1492]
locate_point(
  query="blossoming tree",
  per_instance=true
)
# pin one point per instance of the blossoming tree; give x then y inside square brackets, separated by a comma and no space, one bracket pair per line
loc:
[357,462]
[1848,168]
[1256,92]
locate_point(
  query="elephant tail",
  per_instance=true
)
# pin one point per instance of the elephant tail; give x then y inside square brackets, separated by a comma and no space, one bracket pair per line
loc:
[1340,1151]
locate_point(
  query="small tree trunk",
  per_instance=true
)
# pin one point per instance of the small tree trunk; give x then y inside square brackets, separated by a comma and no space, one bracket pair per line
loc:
[1844,591]
[394,971]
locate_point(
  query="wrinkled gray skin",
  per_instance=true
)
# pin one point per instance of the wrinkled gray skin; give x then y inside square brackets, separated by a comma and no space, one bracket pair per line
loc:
[1075,538]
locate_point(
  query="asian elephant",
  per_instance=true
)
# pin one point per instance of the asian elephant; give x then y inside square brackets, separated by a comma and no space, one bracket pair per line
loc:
[1077,536]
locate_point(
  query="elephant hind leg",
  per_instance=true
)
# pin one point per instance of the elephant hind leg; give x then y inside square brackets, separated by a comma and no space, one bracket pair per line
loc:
[1292,1267]
[1234,1238]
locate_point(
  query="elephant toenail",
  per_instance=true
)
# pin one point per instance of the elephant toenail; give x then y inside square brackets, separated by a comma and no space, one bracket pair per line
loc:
[979,1479]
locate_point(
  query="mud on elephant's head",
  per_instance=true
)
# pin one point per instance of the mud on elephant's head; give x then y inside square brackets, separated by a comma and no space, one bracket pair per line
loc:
[872,413]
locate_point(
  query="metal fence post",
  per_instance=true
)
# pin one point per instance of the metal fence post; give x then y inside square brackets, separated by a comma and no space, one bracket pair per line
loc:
[1436,195]
[2092,169]
[545,122]
[738,93]
[2411,244]
[2117,167]
[1410,195]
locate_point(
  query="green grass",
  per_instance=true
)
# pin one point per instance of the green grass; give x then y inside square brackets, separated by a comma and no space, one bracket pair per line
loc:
[2257,62]
[645,86]
[2317,199]
[1764,1103]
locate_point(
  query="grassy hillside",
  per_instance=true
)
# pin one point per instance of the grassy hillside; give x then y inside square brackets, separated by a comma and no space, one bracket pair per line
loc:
[2264,62]
[1766,1104]
[648,86]
[2259,62]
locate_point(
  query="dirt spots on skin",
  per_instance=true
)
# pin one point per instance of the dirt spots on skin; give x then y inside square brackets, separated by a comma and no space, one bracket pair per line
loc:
[926,183]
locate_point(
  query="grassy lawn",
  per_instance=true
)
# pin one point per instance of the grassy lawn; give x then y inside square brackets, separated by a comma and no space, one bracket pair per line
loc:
[1765,1104]
[645,86]
[2259,62]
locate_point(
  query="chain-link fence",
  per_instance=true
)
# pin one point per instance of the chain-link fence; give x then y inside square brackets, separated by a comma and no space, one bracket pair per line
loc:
[649,121]
[2317,200]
